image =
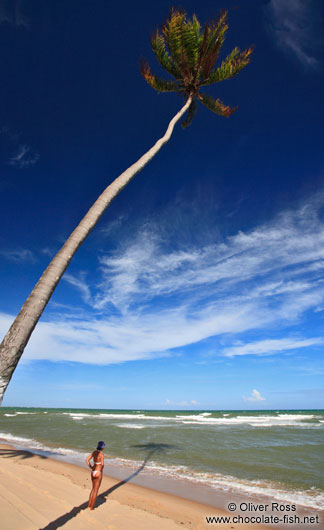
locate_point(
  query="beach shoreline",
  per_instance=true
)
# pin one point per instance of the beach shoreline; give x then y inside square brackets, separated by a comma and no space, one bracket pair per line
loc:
[209,456]
[134,506]
[142,503]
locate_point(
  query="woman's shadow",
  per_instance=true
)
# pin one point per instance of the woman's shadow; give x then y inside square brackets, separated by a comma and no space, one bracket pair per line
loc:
[149,448]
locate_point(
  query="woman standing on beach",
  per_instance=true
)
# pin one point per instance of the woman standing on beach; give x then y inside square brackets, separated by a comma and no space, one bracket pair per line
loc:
[96,473]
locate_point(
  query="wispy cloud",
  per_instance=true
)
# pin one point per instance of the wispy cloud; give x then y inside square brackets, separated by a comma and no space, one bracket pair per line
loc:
[291,25]
[80,284]
[23,157]
[255,396]
[270,347]
[278,264]
[151,300]
[314,369]
[12,12]
[18,255]
[184,403]
[47,251]
[113,226]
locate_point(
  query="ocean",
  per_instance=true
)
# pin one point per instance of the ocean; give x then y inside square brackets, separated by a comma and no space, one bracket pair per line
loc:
[274,453]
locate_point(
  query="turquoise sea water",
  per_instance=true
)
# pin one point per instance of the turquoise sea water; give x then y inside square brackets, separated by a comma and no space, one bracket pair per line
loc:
[280,453]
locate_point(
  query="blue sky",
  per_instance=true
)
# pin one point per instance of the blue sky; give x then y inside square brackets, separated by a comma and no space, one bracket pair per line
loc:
[202,285]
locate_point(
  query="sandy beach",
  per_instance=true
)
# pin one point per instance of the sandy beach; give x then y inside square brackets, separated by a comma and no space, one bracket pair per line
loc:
[40,493]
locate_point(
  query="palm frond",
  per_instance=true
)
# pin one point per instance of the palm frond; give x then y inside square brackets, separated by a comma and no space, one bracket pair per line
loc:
[216,33]
[214,37]
[161,85]
[172,35]
[216,105]
[190,114]
[231,66]
[189,53]
[162,55]
[190,39]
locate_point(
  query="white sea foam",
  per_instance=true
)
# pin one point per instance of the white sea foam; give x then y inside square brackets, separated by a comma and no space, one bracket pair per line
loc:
[10,415]
[112,416]
[311,498]
[26,412]
[296,416]
[205,418]
[140,416]
[21,440]
[131,426]
[75,414]
[32,444]
[294,420]
[134,417]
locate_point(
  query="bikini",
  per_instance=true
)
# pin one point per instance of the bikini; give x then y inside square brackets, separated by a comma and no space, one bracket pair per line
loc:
[96,472]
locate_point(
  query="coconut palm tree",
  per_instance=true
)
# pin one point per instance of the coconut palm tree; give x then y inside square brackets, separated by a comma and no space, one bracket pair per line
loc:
[188,53]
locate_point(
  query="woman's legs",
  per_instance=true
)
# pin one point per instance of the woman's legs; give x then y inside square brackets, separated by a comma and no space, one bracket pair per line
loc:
[96,481]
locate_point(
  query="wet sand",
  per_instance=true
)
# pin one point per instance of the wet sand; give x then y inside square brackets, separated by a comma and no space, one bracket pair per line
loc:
[37,492]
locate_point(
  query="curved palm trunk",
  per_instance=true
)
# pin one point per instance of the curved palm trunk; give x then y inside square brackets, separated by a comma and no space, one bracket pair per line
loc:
[13,344]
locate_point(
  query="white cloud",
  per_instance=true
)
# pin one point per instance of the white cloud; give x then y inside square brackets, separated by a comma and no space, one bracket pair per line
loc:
[255,396]
[112,227]
[183,403]
[80,284]
[279,263]
[47,251]
[151,300]
[20,255]
[12,12]
[23,157]
[116,340]
[271,346]
[292,28]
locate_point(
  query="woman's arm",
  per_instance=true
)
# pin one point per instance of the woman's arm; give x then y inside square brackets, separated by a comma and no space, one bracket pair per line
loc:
[88,460]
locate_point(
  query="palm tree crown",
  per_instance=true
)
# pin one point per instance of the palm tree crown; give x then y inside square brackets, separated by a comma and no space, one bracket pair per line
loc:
[188,53]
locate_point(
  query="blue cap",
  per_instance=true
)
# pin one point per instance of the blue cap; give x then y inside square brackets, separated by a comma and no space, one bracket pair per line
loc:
[101,445]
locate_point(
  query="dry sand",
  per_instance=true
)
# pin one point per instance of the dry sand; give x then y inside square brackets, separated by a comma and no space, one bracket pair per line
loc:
[40,493]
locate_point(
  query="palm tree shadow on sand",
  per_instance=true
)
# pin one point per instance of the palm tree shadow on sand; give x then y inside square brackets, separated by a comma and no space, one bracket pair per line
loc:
[149,448]
[23,455]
